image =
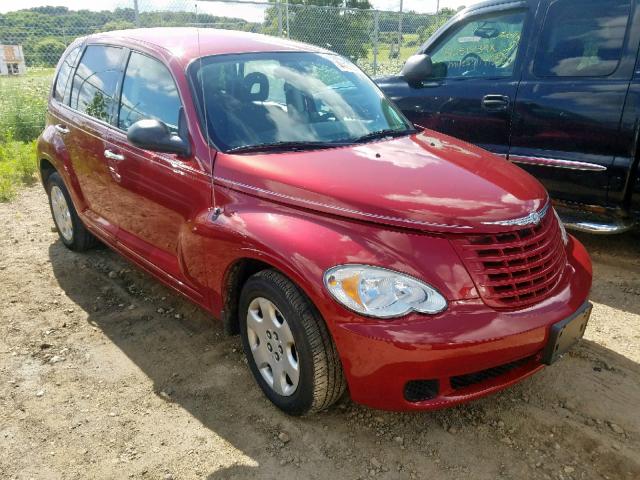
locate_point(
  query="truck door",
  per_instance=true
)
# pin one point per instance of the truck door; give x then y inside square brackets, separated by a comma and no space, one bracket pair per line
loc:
[476,70]
[566,122]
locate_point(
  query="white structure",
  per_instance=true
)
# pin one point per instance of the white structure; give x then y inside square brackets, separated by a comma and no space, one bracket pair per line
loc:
[12,60]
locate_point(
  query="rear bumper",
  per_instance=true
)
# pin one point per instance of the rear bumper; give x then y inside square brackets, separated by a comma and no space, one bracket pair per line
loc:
[468,351]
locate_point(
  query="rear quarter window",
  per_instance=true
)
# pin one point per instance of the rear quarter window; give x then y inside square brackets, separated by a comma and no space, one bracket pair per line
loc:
[95,81]
[61,87]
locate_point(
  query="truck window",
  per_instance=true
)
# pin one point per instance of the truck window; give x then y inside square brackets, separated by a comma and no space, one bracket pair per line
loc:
[484,46]
[582,38]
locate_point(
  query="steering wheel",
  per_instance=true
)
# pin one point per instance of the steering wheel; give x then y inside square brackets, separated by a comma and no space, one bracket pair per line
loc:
[473,60]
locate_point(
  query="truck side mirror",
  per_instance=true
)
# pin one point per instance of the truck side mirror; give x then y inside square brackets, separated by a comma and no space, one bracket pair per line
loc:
[417,68]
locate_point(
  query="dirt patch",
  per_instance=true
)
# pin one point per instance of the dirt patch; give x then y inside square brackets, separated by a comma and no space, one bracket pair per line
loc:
[104,373]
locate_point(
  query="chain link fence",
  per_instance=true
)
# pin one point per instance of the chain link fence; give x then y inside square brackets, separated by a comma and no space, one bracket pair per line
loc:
[32,41]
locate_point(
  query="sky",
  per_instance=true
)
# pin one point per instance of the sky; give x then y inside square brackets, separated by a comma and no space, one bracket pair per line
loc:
[249,12]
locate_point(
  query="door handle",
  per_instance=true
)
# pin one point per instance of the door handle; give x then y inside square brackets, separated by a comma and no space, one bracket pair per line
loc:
[61,129]
[113,155]
[495,103]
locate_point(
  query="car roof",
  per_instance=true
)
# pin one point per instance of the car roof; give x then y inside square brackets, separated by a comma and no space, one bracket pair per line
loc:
[190,42]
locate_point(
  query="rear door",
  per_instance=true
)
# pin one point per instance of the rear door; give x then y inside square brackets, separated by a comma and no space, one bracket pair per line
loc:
[569,105]
[476,65]
[86,126]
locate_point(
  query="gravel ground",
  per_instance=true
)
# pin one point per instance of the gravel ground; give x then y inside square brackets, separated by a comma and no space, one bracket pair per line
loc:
[104,373]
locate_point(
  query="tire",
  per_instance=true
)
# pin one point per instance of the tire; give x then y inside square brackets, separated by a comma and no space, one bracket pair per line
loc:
[73,234]
[320,379]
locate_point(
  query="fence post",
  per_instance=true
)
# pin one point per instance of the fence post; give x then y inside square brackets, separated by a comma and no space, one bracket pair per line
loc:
[279,3]
[287,18]
[136,11]
[376,29]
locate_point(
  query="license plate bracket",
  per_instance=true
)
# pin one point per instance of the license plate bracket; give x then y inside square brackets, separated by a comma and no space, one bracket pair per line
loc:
[566,333]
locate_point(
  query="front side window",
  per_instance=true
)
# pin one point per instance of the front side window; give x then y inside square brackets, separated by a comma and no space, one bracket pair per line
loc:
[582,38]
[481,47]
[95,81]
[278,97]
[62,80]
[148,91]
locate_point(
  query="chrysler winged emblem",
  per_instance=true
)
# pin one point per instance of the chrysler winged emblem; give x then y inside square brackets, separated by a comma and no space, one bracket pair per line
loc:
[532,219]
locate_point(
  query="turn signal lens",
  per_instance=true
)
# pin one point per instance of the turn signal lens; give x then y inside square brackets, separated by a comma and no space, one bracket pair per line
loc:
[381,293]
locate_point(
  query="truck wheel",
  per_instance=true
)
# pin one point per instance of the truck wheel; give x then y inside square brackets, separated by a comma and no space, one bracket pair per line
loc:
[72,232]
[289,349]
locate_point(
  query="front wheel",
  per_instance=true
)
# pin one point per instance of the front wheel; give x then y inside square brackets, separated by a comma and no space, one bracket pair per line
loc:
[289,349]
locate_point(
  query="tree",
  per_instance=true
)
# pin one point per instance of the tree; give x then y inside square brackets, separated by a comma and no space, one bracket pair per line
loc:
[47,52]
[343,31]
[437,21]
[116,25]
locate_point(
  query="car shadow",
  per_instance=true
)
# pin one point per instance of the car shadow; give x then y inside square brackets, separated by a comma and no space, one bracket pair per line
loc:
[194,366]
[616,275]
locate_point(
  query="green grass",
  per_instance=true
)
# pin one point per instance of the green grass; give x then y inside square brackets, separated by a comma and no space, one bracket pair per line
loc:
[17,167]
[386,64]
[23,106]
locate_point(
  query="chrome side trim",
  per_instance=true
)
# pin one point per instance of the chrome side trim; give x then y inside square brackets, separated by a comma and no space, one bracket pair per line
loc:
[532,219]
[557,163]
[598,228]
[577,217]
[231,183]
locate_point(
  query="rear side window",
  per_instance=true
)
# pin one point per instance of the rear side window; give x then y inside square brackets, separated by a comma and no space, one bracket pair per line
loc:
[582,38]
[95,81]
[148,91]
[61,88]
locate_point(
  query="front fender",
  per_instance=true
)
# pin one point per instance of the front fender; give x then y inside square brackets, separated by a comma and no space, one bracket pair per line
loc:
[303,245]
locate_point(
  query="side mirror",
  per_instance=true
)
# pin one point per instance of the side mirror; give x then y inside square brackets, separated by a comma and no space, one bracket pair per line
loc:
[417,68]
[154,135]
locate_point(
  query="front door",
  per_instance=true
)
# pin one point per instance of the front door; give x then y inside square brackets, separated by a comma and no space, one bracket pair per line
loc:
[567,116]
[159,195]
[476,70]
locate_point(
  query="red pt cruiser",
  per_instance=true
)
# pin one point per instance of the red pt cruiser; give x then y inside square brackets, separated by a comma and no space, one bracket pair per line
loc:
[272,183]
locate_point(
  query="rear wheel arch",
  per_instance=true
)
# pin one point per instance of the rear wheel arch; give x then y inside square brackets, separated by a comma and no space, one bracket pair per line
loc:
[46,169]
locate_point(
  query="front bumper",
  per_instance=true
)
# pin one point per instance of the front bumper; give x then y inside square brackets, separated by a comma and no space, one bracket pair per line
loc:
[467,352]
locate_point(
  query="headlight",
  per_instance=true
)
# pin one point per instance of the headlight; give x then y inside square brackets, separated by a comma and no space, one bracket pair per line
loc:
[563,230]
[382,293]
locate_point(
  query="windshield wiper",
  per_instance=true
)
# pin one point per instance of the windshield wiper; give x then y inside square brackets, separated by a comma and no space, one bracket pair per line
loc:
[384,133]
[297,145]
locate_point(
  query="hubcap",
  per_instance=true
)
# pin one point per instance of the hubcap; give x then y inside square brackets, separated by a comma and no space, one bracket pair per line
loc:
[272,346]
[61,213]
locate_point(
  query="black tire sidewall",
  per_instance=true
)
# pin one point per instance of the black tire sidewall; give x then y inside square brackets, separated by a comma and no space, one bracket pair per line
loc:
[302,399]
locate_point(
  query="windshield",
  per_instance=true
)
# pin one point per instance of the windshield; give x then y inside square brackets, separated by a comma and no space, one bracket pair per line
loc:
[290,97]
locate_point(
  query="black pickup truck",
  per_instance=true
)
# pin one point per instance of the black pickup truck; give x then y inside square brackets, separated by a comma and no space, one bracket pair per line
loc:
[552,85]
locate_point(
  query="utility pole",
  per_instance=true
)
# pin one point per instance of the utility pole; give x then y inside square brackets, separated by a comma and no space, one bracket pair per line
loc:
[437,6]
[136,11]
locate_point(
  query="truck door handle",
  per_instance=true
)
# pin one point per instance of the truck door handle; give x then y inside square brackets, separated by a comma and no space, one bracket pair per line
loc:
[61,129]
[113,155]
[495,103]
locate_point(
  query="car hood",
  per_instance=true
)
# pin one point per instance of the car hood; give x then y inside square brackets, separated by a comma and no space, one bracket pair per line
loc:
[424,181]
